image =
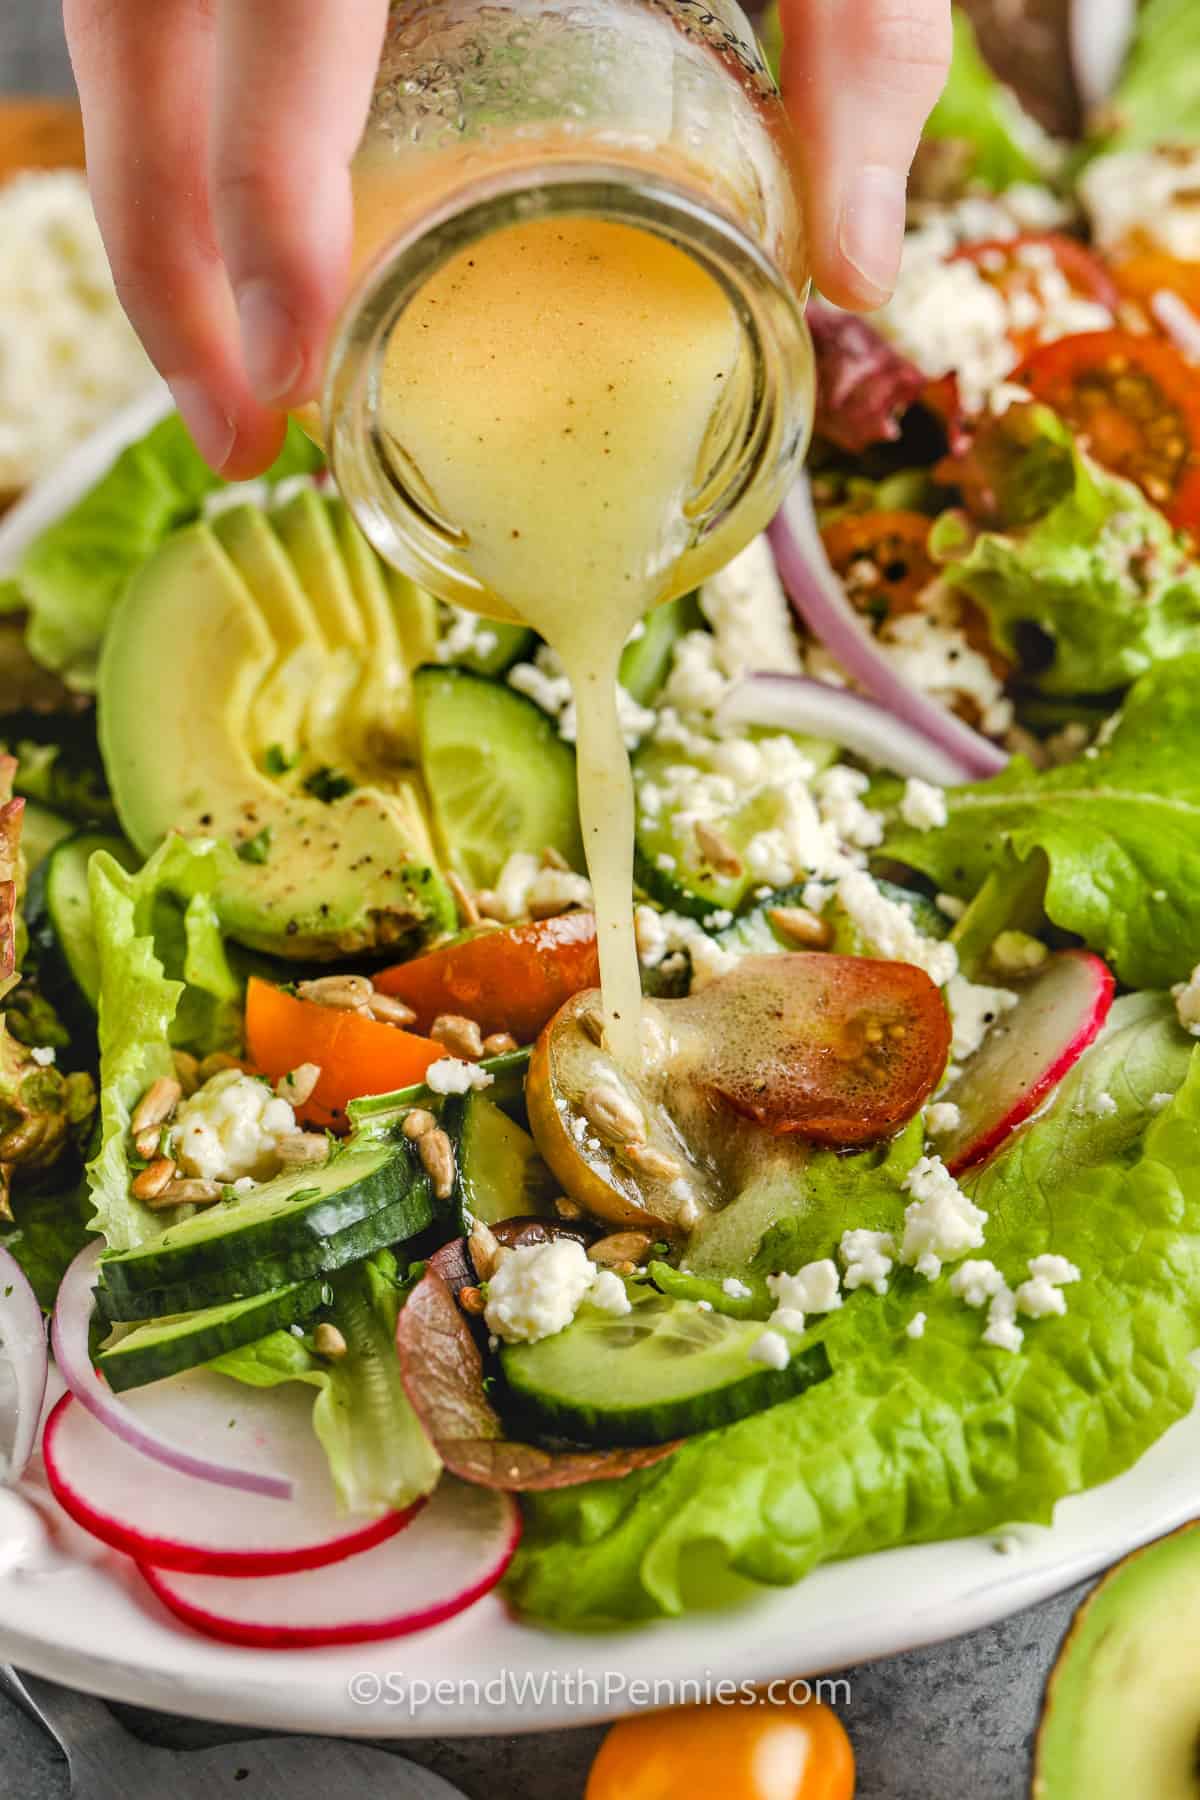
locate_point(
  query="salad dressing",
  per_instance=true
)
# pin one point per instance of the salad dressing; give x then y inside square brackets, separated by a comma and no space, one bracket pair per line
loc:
[556,394]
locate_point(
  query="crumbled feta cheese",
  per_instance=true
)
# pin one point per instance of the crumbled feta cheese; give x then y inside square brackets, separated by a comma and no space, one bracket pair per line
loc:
[545,682]
[942,1117]
[1057,1269]
[1187,1002]
[1002,1331]
[71,359]
[974,1010]
[923,806]
[736,1290]
[462,634]
[813,1289]
[1104,1106]
[230,1128]
[662,935]
[44,1055]
[1145,198]
[557,889]
[450,1075]
[511,892]
[696,683]
[931,651]
[704,1305]
[750,617]
[1039,1298]
[1158,1101]
[888,927]
[1016,953]
[839,793]
[916,1326]
[786,1318]
[975,1282]
[867,1257]
[719,920]
[536,1290]
[771,1349]
[940,1223]
[609,1294]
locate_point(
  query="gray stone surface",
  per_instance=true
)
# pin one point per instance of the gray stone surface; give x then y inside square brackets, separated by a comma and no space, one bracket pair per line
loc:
[936,1724]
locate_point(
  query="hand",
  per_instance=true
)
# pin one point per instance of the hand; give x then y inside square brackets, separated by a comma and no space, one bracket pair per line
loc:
[859,79]
[219,137]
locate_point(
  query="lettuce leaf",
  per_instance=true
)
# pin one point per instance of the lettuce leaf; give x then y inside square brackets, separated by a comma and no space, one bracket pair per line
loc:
[165,979]
[977,109]
[379,1456]
[72,576]
[1120,827]
[1157,100]
[912,1441]
[1086,586]
[50,1230]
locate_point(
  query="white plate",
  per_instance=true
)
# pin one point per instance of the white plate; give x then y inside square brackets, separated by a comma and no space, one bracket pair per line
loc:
[82,1615]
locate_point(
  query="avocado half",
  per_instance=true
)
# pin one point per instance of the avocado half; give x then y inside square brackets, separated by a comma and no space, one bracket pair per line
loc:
[1121,1713]
[255,686]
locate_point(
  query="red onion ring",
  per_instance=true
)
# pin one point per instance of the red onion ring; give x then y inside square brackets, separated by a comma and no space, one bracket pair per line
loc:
[817,708]
[819,600]
[23,1347]
[69,1336]
[1179,321]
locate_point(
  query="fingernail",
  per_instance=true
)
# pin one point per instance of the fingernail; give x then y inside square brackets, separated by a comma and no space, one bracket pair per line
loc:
[270,342]
[212,430]
[871,232]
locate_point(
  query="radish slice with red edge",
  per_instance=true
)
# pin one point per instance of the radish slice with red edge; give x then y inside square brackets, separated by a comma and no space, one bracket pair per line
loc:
[819,600]
[797,703]
[23,1350]
[1024,1056]
[453,1553]
[162,1517]
[69,1336]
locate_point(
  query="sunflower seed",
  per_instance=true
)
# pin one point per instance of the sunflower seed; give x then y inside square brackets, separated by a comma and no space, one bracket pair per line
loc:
[297,1085]
[390,1011]
[461,1036]
[656,1165]
[499,1043]
[613,1115]
[328,1341]
[716,849]
[149,1184]
[156,1104]
[619,1247]
[299,1148]
[417,1121]
[437,1159]
[484,1249]
[468,909]
[800,926]
[346,993]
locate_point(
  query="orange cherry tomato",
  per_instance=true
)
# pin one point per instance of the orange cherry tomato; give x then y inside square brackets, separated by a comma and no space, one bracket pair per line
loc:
[882,558]
[1015,266]
[745,1751]
[1145,273]
[841,1050]
[355,1055]
[1134,403]
[511,980]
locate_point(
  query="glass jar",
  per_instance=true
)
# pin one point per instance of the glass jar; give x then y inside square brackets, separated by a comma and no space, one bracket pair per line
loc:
[658,116]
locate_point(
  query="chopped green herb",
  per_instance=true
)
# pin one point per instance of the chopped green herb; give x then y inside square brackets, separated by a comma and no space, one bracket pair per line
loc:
[327,784]
[257,848]
[276,760]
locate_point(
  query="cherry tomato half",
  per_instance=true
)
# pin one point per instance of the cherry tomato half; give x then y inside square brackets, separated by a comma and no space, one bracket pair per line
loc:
[789,1751]
[882,559]
[1134,403]
[1017,265]
[1150,272]
[510,980]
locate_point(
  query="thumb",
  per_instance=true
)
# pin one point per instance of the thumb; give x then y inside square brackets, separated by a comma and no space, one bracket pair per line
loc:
[859,80]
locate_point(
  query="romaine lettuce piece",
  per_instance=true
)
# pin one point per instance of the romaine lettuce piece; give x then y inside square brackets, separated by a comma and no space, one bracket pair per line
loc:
[916,1440]
[1157,100]
[1120,828]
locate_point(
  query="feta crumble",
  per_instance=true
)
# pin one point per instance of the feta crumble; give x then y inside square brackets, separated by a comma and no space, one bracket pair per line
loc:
[771,1349]
[231,1128]
[940,1223]
[1145,197]
[888,927]
[1186,995]
[663,935]
[923,806]
[1157,1102]
[44,1055]
[813,1289]
[735,1289]
[975,1282]
[451,1075]
[750,617]
[536,1290]
[942,1117]
[974,1010]
[916,1326]
[545,682]
[1002,1331]
[1104,1106]
[867,1258]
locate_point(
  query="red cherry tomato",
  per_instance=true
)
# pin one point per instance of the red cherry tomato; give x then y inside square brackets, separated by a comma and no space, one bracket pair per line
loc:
[1016,266]
[747,1751]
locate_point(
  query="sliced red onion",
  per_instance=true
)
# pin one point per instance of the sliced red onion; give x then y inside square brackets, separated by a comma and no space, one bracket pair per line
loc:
[818,598]
[818,709]
[23,1348]
[1101,33]
[1179,321]
[69,1336]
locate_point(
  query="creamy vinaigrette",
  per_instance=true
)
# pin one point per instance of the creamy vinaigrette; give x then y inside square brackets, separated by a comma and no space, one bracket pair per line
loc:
[553,393]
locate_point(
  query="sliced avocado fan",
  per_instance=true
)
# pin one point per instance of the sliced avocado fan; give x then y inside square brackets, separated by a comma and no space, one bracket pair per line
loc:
[1121,1715]
[255,686]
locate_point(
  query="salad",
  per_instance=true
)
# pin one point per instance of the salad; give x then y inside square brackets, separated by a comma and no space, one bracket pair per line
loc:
[375,1278]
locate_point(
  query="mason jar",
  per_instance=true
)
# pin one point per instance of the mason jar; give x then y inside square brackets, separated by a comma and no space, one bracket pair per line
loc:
[660,116]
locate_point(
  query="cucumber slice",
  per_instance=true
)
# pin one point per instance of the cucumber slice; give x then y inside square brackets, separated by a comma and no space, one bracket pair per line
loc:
[285,1214]
[382,1113]
[667,1369]
[167,1346]
[499,776]
[754,935]
[59,915]
[242,1281]
[500,1174]
[646,659]
[41,830]
[668,861]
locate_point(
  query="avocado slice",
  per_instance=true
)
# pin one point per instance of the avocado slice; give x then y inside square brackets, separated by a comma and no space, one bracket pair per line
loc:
[1121,1714]
[232,676]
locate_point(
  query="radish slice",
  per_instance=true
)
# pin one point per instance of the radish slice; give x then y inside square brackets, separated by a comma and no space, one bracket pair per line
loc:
[1179,321]
[452,1554]
[1026,1055]
[69,1336]
[23,1349]
[797,703]
[819,599]
[162,1517]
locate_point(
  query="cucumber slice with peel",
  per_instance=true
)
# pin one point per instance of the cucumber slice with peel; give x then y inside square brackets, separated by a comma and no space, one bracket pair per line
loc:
[500,1173]
[666,1369]
[168,1346]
